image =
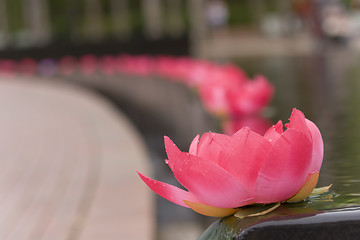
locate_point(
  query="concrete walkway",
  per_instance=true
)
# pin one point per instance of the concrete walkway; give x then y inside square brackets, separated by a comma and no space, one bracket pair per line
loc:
[67,166]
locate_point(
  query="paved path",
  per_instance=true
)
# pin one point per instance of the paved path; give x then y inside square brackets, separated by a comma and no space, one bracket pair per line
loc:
[67,166]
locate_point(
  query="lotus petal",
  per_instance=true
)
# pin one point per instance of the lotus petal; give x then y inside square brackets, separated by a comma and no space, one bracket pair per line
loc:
[285,168]
[298,123]
[169,192]
[243,156]
[210,146]
[274,132]
[209,182]
[172,151]
[210,210]
[318,147]
[194,145]
[307,189]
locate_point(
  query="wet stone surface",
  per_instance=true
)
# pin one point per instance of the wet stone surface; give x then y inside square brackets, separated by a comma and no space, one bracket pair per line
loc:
[289,223]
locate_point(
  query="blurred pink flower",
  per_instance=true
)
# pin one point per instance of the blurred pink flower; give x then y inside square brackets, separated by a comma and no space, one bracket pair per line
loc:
[67,65]
[108,65]
[27,67]
[253,97]
[197,73]
[236,96]
[88,64]
[225,90]
[223,172]
[7,68]
[167,66]
[256,123]
[138,65]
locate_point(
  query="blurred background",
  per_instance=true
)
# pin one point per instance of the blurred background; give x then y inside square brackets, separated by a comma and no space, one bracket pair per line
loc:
[202,28]
[308,49]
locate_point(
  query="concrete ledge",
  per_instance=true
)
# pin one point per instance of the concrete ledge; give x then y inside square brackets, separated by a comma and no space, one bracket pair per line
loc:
[68,162]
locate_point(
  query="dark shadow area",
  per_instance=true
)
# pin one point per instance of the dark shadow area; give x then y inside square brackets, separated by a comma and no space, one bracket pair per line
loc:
[169,46]
[289,223]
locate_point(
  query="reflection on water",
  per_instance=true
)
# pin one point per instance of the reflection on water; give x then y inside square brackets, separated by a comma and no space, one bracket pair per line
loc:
[326,87]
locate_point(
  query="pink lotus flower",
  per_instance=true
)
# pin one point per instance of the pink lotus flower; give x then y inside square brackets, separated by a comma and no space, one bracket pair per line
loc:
[138,65]
[67,65]
[236,96]
[251,98]
[7,68]
[197,73]
[223,172]
[170,67]
[27,67]
[108,65]
[88,64]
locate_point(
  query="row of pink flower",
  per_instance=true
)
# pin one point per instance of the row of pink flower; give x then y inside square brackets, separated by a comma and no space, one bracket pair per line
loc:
[224,88]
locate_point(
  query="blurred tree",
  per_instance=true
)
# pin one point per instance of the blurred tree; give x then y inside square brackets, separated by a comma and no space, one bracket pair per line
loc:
[257,9]
[94,21]
[121,20]
[197,25]
[37,21]
[4,24]
[175,26]
[152,13]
